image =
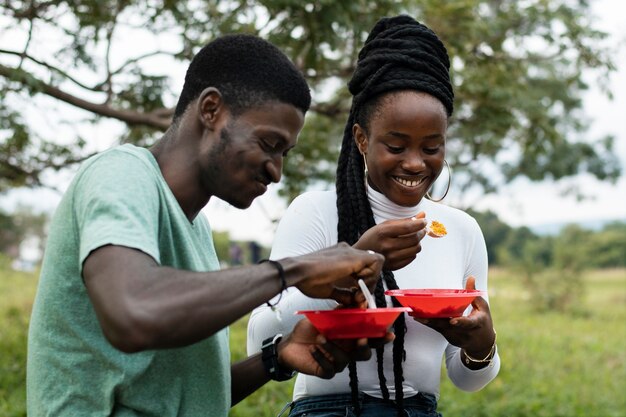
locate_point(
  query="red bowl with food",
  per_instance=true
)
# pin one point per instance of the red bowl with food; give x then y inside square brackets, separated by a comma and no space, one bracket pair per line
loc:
[436,303]
[353,323]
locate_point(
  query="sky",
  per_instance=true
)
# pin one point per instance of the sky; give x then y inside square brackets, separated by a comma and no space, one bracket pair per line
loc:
[520,203]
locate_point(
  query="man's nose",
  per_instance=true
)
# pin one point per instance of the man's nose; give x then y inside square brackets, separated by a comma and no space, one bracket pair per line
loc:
[275,168]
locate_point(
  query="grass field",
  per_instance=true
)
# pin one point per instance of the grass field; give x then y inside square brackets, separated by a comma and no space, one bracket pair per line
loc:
[553,364]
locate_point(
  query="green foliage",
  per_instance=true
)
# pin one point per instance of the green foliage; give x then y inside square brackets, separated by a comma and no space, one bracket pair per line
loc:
[551,267]
[23,223]
[17,289]
[309,163]
[516,66]
[553,364]
[9,233]
[221,241]
[494,230]
[557,285]
[608,248]
[518,86]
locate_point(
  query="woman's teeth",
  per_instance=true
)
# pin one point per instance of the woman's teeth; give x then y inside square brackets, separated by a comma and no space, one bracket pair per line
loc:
[408,183]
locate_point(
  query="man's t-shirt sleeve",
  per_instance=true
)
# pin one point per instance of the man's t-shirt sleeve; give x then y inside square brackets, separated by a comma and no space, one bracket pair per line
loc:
[116,203]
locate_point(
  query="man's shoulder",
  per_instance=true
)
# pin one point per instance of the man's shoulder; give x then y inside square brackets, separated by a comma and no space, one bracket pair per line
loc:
[123,161]
[123,153]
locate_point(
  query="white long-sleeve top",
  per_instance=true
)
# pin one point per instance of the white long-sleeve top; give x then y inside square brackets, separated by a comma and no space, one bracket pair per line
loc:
[310,224]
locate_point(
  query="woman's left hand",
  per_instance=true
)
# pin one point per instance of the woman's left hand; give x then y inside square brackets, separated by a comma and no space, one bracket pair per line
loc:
[473,333]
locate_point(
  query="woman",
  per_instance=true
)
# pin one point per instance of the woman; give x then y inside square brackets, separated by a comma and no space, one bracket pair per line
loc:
[393,150]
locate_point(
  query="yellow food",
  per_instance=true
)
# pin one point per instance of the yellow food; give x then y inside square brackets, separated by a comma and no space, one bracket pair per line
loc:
[437,228]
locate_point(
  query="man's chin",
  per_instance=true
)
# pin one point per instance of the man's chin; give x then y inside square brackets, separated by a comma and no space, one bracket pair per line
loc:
[241,204]
[243,201]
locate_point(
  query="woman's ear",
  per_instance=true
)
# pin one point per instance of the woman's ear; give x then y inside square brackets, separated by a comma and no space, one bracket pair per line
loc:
[210,107]
[359,138]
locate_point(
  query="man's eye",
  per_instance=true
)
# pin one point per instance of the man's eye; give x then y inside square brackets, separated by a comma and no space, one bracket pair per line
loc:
[269,145]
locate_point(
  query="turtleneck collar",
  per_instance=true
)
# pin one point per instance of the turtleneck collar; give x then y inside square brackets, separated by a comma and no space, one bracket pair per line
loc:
[385,209]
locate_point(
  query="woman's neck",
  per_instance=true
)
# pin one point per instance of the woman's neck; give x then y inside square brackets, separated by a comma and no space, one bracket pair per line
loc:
[385,209]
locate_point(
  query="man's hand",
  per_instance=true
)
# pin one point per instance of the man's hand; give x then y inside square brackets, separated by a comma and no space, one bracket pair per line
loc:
[333,273]
[306,350]
[399,241]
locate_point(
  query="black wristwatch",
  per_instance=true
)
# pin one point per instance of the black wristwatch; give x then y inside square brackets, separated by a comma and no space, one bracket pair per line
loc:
[269,355]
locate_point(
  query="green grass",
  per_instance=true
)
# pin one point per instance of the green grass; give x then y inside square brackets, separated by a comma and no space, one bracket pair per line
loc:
[553,364]
[17,290]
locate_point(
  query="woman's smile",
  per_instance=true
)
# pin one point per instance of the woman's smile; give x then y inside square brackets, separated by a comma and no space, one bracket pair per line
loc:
[410,183]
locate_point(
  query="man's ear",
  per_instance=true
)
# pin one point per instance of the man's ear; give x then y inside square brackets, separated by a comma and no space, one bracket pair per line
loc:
[359,138]
[210,106]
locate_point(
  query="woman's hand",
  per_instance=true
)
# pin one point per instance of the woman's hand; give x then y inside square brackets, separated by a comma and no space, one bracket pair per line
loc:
[397,240]
[473,333]
[306,350]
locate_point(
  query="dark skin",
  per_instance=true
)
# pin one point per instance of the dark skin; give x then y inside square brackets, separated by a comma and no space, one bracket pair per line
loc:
[398,240]
[404,146]
[142,305]
[310,351]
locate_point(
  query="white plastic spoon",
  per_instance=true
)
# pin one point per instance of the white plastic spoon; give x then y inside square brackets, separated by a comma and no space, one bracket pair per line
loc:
[371,302]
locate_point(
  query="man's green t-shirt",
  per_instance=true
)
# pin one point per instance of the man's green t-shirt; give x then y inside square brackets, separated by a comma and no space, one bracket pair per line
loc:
[119,197]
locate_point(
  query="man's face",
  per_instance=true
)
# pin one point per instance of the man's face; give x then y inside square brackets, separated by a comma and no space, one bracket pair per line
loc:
[249,154]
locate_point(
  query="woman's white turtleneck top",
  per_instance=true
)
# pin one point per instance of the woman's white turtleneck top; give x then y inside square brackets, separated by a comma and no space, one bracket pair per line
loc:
[310,224]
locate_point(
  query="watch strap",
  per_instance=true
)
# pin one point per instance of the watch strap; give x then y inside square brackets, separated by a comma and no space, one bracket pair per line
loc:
[269,355]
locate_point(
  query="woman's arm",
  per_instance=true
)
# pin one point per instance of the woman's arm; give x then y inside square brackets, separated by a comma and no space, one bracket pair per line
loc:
[469,375]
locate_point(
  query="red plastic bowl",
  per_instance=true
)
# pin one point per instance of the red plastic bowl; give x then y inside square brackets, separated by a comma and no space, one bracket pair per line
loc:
[353,323]
[433,303]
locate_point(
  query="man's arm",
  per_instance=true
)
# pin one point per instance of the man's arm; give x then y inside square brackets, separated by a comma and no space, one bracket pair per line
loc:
[141,305]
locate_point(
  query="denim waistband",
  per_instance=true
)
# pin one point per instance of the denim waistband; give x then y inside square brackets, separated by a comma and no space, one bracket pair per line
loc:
[422,401]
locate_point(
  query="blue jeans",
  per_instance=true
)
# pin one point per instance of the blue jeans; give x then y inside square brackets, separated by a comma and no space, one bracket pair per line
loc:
[340,405]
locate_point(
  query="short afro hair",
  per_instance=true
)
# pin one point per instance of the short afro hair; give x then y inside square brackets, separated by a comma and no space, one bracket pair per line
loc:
[248,71]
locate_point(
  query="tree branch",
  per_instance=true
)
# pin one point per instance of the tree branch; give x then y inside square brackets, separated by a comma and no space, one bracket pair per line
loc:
[51,68]
[139,58]
[157,119]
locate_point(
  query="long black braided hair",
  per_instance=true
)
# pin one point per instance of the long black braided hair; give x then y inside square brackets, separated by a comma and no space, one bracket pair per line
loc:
[399,54]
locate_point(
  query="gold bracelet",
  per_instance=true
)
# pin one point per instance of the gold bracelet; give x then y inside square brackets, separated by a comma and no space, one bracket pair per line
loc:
[490,355]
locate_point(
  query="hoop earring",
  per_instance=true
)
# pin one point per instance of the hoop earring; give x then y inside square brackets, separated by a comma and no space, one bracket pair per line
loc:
[447,188]
[365,172]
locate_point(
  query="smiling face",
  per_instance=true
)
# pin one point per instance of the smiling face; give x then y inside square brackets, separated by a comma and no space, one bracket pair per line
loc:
[404,143]
[249,154]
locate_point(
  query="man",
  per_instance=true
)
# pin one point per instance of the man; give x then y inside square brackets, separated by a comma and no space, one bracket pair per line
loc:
[129,320]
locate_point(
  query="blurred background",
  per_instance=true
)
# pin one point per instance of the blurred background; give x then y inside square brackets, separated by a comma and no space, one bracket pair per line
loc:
[537,147]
